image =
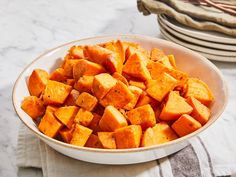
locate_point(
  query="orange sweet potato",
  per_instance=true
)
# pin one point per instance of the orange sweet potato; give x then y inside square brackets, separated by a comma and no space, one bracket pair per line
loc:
[165,61]
[118,48]
[161,86]
[112,119]
[70,82]
[58,75]
[136,67]
[175,107]
[80,135]
[131,50]
[76,52]
[66,134]
[84,84]
[33,106]
[94,124]
[200,112]
[70,101]
[86,101]
[66,115]
[49,125]
[128,137]
[56,92]
[107,139]
[138,84]
[118,96]
[185,125]
[157,54]
[148,138]
[102,84]
[172,61]
[136,92]
[83,117]
[199,90]
[68,67]
[121,78]
[88,68]
[145,99]
[37,82]
[93,142]
[143,115]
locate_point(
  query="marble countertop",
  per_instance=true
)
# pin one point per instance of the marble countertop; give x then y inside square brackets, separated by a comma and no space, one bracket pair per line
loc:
[28,28]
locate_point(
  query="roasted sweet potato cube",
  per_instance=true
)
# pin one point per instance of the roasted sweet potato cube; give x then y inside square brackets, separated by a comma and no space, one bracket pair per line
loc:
[143,115]
[37,82]
[66,134]
[161,87]
[102,84]
[80,135]
[68,67]
[112,119]
[136,67]
[172,61]
[128,137]
[118,47]
[51,108]
[163,133]
[66,115]
[107,139]
[118,96]
[131,50]
[121,78]
[148,138]
[76,52]
[86,68]
[87,101]
[33,106]
[157,54]
[70,101]
[175,107]
[83,117]
[94,124]
[200,112]
[136,92]
[185,125]
[199,90]
[138,84]
[93,142]
[165,61]
[58,75]
[49,125]
[145,99]
[56,92]
[70,82]
[84,84]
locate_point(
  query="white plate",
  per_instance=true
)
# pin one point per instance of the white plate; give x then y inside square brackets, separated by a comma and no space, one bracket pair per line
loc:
[197,41]
[203,35]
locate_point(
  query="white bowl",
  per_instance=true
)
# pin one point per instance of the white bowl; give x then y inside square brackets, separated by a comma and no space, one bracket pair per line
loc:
[187,60]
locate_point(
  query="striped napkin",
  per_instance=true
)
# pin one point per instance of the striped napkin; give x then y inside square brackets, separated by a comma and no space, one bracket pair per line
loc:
[213,153]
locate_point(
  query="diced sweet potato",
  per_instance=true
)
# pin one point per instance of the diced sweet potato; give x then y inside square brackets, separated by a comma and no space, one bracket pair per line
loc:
[37,82]
[86,101]
[156,69]
[157,54]
[83,117]
[94,124]
[128,137]
[161,86]
[58,75]
[136,92]
[56,92]
[51,108]
[145,99]
[66,115]
[165,61]
[175,107]
[118,96]
[76,52]
[80,135]
[131,50]
[107,139]
[70,82]
[112,119]
[121,78]
[102,84]
[84,84]
[185,125]
[66,134]
[200,112]
[199,90]
[68,67]
[135,67]
[70,101]
[172,61]
[148,138]
[143,115]
[93,142]
[49,125]
[163,133]
[138,84]
[33,106]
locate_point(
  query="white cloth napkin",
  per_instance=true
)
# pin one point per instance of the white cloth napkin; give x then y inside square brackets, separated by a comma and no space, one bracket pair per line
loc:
[213,153]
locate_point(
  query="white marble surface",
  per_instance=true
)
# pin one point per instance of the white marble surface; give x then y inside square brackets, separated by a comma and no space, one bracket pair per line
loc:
[28,28]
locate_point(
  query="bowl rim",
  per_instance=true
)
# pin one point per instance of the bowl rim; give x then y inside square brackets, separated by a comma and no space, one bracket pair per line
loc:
[137,36]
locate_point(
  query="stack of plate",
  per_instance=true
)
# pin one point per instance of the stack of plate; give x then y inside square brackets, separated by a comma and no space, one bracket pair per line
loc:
[212,45]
